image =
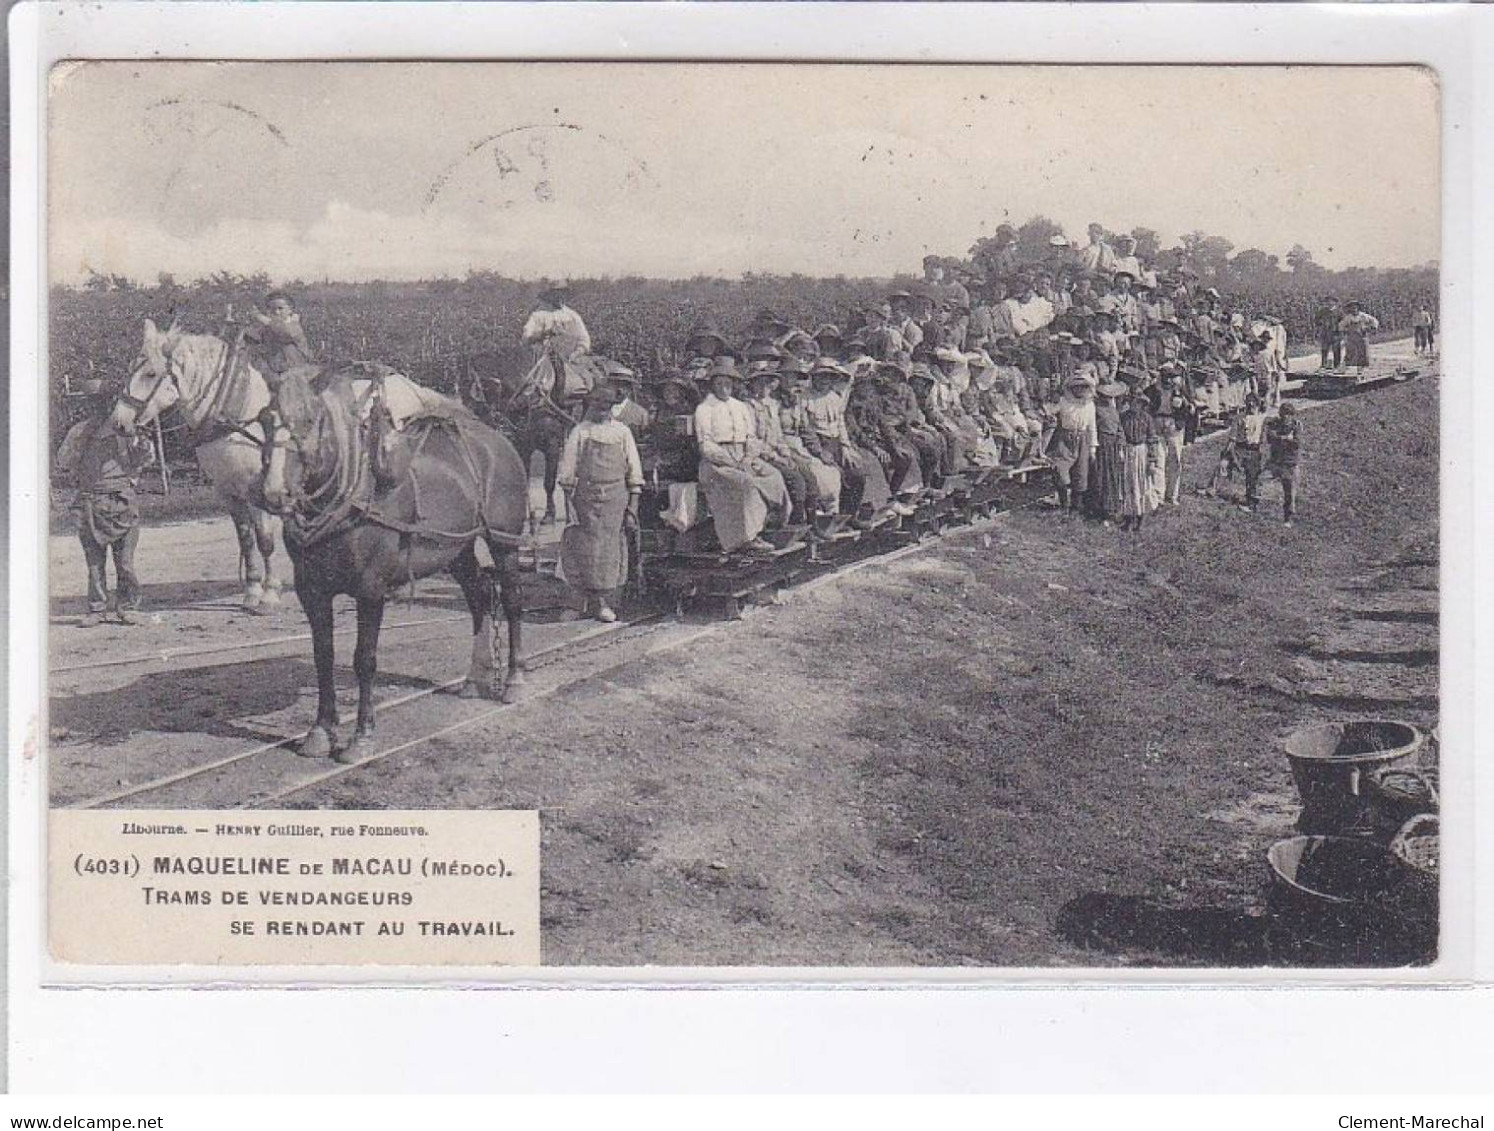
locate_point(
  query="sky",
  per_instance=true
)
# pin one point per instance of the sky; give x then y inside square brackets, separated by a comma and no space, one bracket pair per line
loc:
[411,170]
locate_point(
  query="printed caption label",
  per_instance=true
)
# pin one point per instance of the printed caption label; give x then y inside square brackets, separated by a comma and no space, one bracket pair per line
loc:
[290,888]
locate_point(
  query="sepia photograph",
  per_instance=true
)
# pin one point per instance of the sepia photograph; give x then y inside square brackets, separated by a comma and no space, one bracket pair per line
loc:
[878,516]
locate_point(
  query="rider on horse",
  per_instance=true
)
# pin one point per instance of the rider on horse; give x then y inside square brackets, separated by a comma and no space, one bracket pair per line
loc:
[561,343]
[280,338]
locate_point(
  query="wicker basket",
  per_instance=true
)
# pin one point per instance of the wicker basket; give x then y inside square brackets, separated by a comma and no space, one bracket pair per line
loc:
[1417,844]
[1399,793]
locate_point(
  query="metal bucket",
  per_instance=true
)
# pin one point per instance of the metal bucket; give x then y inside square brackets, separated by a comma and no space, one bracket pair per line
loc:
[1331,762]
[1342,901]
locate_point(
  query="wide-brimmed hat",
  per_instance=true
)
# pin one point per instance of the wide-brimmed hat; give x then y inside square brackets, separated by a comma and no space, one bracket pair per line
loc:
[708,338]
[1113,389]
[829,367]
[795,339]
[763,373]
[896,365]
[725,366]
[760,348]
[828,331]
[1123,274]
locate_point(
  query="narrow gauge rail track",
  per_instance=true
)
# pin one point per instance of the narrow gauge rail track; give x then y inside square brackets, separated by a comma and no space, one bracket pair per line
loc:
[880,546]
[169,655]
[601,636]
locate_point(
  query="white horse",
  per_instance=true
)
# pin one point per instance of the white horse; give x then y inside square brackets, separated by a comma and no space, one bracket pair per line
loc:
[221,410]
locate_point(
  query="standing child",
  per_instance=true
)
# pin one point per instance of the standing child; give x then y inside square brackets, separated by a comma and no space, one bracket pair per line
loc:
[1246,436]
[1284,434]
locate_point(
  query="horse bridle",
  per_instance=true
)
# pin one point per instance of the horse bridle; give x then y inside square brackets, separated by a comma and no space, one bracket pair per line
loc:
[296,497]
[217,387]
[137,403]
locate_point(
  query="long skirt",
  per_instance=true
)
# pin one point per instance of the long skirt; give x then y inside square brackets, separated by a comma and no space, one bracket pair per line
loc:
[823,482]
[1172,466]
[740,498]
[1135,481]
[876,492]
[1105,476]
[863,482]
[1157,475]
[1356,349]
[593,555]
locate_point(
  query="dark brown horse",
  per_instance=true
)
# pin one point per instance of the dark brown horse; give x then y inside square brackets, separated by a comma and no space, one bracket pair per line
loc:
[444,482]
[499,389]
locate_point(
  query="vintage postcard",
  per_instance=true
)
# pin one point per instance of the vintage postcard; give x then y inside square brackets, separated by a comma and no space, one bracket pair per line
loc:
[743,515]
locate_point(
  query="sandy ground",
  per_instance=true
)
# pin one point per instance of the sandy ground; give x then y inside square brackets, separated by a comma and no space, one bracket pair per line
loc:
[999,750]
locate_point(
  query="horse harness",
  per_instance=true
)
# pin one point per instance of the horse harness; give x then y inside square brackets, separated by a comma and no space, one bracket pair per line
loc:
[221,386]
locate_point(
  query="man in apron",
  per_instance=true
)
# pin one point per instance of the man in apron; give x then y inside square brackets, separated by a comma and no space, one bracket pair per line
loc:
[602,477]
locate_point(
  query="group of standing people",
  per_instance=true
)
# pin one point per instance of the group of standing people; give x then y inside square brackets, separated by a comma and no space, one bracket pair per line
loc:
[1344,331]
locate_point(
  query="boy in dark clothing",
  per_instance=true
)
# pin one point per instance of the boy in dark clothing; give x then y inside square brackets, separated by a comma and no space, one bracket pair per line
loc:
[1284,435]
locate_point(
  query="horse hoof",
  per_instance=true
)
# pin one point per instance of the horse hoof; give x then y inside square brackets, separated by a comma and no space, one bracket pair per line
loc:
[261,609]
[470,690]
[272,595]
[356,751]
[316,744]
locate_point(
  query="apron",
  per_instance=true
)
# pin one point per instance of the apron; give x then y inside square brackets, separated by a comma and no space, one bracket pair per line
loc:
[593,554]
